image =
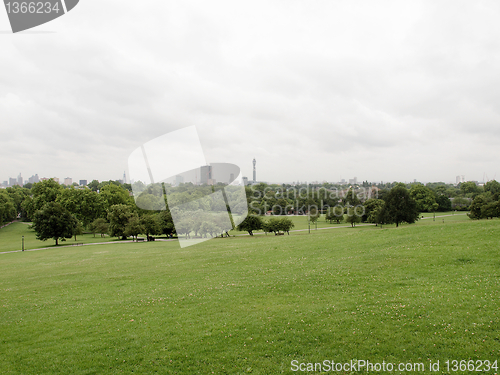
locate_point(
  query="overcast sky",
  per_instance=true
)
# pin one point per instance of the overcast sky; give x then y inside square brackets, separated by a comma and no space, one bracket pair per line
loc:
[314,90]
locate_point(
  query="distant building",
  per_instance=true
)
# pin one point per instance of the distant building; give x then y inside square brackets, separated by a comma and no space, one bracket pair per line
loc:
[353,181]
[12,181]
[245,181]
[83,183]
[458,180]
[254,171]
[68,181]
[205,174]
[34,179]
[20,180]
[124,177]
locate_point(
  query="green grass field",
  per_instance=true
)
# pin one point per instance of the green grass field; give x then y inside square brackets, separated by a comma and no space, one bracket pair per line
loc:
[428,291]
[11,238]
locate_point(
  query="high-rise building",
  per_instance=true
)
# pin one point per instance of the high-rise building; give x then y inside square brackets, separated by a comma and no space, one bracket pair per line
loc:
[205,174]
[68,181]
[83,182]
[245,181]
[254,171]
[20,180]
[12,181]
[34,179]
[124,177]
[458,180]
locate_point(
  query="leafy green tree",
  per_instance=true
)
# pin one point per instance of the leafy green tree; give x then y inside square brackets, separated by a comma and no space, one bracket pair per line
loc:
[208,227]
[7,207]
[19,195]
[354,215]
[469,189]
[151,225]
[275,224]
[166,222]
[134,227]
[84,204]
[42,192]
[444,203]
[54,221]
[113,195]
[351,199]
[285,224]
[424,198]
[373,208]
[78,229]
[493,187]
[461,203]
[335,213]
[94,185]
[251,224]
[99,226]
[314,215]
[491,210]
[399,207]
[118,217]
[477,208]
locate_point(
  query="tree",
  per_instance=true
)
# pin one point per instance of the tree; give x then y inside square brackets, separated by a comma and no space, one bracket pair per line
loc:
[166,222]
[99,226]
[42,192]
[461,203]
[118,217]
[19,195]
[351,199]
[444,203]
[113,195]
[94,185]
[84,204]
[493,187]
[276,225]
[54,221]
[399,207]
[354,215]
[469,189]
[335,213]
[78,230]
[490,210]
[477,210]
[151,225]
[424,198]
[314,215]
[250,224]
[285,224]
[134,227]
[373,208]
[7,207]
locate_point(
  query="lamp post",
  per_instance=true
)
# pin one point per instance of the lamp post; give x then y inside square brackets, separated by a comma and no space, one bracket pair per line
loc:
[23,243]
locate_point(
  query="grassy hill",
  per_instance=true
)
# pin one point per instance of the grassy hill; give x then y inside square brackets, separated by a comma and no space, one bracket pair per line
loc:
[253,304]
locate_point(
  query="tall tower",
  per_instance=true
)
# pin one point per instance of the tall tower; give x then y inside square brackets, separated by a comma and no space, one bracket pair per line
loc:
[254,171]
[124,177]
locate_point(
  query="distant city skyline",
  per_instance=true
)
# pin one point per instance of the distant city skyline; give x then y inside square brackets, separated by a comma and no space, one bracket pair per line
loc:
[384,91]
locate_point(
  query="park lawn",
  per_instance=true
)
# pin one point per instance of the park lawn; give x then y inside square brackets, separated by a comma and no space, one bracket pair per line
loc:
[11,238]
[301,221]
[253,304]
